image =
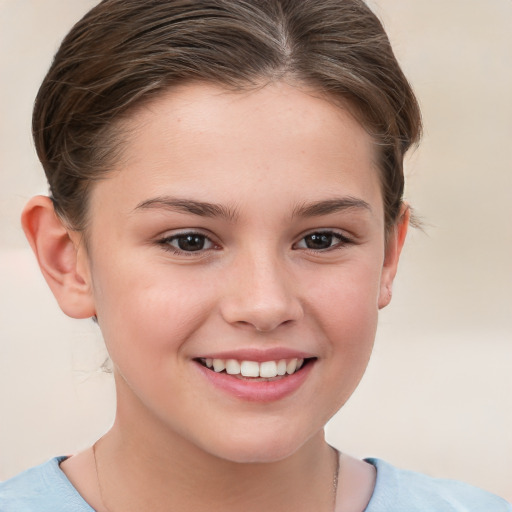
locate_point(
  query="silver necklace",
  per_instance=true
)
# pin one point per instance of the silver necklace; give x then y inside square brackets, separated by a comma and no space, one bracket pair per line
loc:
[335,477]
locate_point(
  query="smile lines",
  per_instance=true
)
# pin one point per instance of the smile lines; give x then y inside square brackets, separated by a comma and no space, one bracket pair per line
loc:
[265,369]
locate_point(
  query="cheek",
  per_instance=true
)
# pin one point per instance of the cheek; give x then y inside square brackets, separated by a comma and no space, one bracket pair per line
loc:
[146,317]
[345,306]
[347,296]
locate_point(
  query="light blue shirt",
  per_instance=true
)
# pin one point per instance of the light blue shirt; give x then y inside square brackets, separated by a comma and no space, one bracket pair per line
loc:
[45,488]
[398,490]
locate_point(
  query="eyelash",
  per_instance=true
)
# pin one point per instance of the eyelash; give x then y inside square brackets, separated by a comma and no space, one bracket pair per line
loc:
[166,243]
[342,240]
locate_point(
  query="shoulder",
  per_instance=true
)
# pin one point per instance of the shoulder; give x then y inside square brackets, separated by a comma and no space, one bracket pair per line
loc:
[398,490]
[43,488]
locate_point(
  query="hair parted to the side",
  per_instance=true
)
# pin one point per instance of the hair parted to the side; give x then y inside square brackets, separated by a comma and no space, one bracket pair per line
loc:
[124,52]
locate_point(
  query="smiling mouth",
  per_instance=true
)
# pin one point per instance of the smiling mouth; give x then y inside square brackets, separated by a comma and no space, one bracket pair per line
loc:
[256,371]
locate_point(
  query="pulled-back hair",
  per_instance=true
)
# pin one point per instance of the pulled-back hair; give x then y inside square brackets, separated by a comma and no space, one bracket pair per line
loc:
[124,52]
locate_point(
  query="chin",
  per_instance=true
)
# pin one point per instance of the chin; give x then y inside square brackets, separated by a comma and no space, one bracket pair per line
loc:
[257,446]
[255,454]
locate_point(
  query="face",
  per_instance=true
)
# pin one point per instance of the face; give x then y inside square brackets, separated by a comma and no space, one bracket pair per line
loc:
[240,230]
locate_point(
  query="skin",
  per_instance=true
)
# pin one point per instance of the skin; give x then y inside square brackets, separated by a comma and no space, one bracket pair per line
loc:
[263,157]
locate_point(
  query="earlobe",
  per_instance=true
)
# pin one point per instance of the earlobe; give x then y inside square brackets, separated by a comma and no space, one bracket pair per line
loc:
[394,247]
[61,259]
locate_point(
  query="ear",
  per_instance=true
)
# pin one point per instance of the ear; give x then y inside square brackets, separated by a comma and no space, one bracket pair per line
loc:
[61,257]
[395,242]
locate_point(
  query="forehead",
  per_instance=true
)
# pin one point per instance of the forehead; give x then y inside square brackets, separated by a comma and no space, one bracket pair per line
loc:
[278,141]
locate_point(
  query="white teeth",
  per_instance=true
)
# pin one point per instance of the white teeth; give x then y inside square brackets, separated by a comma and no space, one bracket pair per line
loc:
[232,367]
[219,365]
[250,369]
[291,366]
[266,369]
[281,367]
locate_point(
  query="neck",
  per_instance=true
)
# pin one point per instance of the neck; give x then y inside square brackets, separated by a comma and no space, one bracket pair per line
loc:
[163,471]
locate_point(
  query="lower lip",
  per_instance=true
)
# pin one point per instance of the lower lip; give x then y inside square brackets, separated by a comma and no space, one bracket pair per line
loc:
[257,390]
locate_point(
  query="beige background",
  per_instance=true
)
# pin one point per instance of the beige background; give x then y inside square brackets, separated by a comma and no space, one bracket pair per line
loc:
[438,393]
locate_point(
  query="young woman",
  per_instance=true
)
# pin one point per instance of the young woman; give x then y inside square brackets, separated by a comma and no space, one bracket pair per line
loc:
[226,202]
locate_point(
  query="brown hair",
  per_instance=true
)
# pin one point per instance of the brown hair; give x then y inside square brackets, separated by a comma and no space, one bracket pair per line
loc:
[124,52]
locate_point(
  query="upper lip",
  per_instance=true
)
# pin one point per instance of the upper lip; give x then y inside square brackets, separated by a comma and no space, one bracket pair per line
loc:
[258,355]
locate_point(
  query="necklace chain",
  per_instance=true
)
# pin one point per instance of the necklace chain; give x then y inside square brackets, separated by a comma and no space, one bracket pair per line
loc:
[335,478]
[102,499]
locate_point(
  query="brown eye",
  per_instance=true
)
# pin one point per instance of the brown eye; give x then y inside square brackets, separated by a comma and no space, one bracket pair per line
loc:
[191,242]
[187,242]
[318,241]
[322,241]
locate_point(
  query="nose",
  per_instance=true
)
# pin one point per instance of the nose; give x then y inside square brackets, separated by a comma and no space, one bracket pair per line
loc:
[260,295]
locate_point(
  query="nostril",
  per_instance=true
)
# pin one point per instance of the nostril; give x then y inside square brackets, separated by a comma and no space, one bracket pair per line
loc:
[268,328]
[247,326]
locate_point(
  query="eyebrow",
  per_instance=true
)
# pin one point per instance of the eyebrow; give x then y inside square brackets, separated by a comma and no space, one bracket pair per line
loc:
[206,209]
[329,206]
[183,205]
